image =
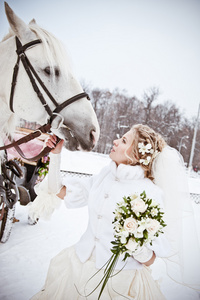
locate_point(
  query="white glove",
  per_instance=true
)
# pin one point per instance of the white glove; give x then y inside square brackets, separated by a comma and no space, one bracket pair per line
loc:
[47,201]
[143,254]
[54,178]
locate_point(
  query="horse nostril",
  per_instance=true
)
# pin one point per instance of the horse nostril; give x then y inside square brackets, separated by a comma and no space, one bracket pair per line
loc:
[91,136]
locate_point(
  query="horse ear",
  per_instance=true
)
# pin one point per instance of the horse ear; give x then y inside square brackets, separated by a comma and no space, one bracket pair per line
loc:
[18,26]
[32,22]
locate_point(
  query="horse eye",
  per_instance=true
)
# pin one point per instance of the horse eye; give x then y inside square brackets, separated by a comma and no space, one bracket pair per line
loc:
[47,70]
[57,72]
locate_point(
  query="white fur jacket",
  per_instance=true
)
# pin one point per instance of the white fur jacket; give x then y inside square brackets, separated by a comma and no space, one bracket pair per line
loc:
[101,193]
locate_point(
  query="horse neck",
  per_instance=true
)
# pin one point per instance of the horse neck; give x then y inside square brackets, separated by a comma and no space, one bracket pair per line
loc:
[7,61]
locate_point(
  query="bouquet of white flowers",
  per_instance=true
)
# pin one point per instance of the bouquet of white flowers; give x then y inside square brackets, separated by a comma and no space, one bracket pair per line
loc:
[138,221]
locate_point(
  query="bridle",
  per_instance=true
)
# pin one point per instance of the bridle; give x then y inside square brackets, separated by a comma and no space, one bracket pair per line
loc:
[34,78]
[31,74]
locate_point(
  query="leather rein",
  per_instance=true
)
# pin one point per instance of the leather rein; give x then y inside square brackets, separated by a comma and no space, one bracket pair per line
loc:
[33,76]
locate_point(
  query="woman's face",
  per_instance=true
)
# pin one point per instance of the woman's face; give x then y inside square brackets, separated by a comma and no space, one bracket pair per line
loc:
[120,147]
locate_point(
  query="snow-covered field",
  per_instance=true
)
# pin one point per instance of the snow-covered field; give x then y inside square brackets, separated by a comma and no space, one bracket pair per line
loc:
[25,257]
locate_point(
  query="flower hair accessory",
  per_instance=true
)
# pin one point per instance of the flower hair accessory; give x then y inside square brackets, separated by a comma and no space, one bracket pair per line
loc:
[147,149]
[145,161]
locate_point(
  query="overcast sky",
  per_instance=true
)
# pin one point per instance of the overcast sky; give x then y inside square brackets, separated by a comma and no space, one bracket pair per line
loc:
[126,44]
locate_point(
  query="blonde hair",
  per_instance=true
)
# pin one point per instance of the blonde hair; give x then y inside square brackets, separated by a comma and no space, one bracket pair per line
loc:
[146,135]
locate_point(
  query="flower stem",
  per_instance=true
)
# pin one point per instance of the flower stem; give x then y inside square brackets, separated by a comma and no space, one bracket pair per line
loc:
[109,271]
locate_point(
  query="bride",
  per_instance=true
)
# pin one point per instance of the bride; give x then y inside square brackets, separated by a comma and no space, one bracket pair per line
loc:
[140,160]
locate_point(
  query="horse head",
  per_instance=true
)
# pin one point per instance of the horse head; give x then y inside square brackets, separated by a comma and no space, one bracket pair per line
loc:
[75,123]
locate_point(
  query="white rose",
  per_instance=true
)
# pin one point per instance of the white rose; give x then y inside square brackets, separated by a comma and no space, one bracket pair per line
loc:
[131,245]
[130,225]
[153,226]
[138,206]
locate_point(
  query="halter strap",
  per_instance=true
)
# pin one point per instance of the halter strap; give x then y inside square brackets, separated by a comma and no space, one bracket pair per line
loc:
[30,72]
[43,129]
[21,49]
[70,101]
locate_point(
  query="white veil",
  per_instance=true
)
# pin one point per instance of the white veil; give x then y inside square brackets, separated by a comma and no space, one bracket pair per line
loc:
[183,264]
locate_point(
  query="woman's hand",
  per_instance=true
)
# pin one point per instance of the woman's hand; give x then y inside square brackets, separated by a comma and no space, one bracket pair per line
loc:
[51,142]
[151,261]
[54,180]
[144,255]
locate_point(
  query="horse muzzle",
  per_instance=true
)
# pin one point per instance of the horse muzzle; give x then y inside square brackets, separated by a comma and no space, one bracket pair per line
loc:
[74,138]
[75,141]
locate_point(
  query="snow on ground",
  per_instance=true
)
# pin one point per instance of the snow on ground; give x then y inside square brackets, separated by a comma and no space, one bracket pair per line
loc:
[83,162]
[25,257]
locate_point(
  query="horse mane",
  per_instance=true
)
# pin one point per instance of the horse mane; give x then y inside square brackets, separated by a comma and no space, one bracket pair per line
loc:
[53,48]
[8,35]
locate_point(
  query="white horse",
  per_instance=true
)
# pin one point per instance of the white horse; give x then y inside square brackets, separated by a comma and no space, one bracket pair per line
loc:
[78,124]
[36,84]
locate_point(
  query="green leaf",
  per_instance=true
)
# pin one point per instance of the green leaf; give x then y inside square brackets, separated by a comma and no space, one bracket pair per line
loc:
[145,234]
[124,209]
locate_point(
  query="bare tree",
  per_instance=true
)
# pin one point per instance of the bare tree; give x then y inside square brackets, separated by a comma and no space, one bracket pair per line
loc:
[117,112]
[149,97]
